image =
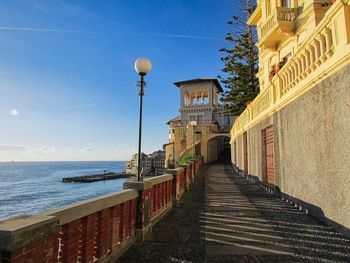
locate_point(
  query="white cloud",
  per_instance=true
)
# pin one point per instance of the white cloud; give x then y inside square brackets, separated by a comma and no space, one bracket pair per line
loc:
[14,112]
[80,106]
[36,29]
[86,149]
[43,150]
[12,148]
[46,150]
[187,36]
[71,149]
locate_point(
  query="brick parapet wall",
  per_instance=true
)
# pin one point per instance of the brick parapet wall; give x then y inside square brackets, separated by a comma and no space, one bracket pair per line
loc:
[43,250]
[155,199]
[95,230]
[86,231]
[187,176]
[179,182]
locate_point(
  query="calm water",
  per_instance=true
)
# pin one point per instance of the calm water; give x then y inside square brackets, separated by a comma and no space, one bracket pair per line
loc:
[30,188]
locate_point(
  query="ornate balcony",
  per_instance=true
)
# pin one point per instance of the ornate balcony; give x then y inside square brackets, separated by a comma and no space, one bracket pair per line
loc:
[279,25]
[322,53]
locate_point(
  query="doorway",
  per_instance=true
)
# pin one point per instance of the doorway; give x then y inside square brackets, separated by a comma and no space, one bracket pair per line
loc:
[245,153]
[268,156]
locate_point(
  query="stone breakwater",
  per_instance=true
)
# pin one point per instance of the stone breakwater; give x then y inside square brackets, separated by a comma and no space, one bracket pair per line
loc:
[95,177]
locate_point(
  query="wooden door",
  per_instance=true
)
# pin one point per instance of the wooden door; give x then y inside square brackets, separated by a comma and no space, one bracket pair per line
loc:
[234,153]
[268,156]
[245,153]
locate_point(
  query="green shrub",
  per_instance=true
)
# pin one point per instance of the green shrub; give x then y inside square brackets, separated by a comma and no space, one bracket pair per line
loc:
[185,159]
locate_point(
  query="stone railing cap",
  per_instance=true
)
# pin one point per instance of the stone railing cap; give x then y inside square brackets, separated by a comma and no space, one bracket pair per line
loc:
[138,185]
[176,170]
[80,209]
[160,179]
[20,231]
[147,183]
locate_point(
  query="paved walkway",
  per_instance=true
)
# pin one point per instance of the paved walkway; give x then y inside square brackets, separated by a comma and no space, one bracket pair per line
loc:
[228,219]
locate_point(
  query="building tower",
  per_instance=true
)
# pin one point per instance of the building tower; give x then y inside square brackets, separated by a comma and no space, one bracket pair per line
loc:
[199,101]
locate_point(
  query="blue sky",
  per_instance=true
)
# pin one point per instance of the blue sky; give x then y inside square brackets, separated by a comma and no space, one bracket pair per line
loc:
[67,79]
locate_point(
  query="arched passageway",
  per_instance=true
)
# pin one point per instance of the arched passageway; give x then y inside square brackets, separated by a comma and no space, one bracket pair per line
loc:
[219,149]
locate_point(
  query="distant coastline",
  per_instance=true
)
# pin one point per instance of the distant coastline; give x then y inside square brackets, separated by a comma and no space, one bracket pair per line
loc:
[51,161]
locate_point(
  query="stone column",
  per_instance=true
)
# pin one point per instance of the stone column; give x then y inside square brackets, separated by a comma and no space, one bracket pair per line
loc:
[308,64]
[187,176]
[329,43]
[179,183]
[288,79]
[182,98]
[312,57]
[293,71]
[317,53]
[303,64]
[211,95]
[154,201]
[300,67]
[322,41]
[143,210]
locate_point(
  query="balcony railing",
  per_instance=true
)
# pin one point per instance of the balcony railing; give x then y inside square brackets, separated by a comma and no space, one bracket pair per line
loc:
[320,55]
[199,122]
[281,20]
[286,13]
[198,108]
[224,129]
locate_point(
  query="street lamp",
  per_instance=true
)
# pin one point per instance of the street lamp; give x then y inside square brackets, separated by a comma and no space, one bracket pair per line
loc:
[142,67]
[193,124]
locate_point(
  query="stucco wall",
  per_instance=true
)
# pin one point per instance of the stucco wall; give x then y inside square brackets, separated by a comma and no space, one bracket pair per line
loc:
[212,148]
[314,147]
[239,151]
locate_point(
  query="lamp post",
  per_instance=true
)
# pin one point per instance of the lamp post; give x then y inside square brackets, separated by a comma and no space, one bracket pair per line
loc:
[193,124]
[142,67]
[174,154]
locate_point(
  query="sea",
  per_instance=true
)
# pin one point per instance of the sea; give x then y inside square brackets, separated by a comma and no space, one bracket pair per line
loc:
[28,188]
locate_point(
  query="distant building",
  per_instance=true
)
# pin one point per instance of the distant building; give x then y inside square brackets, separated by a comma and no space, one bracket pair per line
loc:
[131,166]
[156,162]
[199,101]
[151,164]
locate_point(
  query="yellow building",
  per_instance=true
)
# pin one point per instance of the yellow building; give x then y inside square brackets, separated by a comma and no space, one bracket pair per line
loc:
[201,122]
[295,134]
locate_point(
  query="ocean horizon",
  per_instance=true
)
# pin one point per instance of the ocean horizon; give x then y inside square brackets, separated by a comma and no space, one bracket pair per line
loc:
[28,188]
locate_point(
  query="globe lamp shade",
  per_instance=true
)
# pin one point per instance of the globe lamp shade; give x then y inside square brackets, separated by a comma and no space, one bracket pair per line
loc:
[143,66]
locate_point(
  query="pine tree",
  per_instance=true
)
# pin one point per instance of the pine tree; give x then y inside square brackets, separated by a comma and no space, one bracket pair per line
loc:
[241,63]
